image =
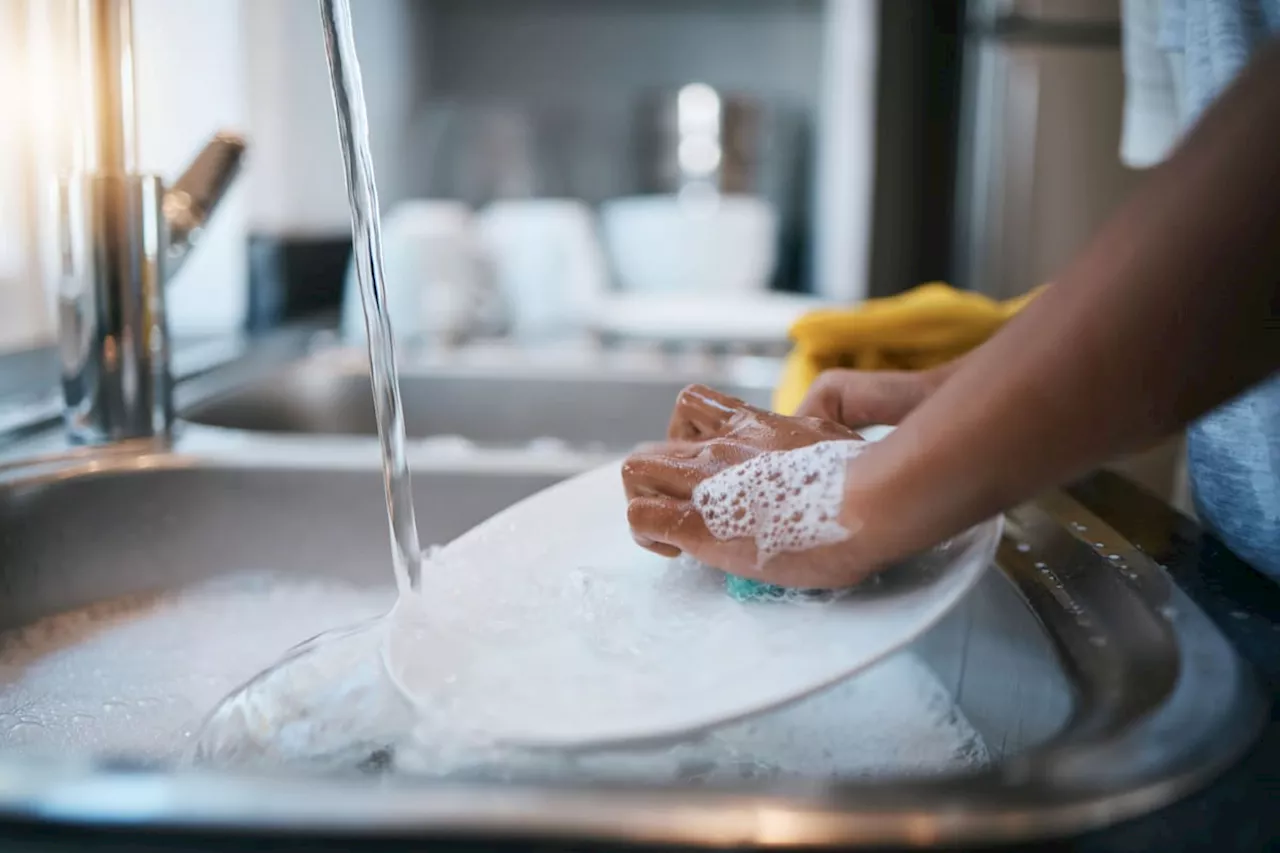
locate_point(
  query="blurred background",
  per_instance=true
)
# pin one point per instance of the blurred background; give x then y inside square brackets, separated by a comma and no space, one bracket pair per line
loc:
[693,169]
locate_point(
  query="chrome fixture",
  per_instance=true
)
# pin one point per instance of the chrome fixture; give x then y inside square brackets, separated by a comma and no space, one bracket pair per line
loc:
[699,139]
[121,236]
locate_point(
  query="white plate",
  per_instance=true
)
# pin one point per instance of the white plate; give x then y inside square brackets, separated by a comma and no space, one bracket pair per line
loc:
[548,626]
[751,318]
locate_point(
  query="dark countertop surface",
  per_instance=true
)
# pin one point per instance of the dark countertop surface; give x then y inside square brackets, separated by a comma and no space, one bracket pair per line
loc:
[1238,812]
[35,371]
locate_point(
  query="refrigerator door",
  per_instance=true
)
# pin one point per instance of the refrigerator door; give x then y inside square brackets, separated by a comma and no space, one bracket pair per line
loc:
[1040,168]
[1039,174]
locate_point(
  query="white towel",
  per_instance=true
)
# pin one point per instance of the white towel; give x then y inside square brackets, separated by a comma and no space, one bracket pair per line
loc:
[1152,91]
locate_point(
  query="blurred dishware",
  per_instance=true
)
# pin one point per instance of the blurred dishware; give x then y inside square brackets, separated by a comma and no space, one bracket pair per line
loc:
[438,283]
[547,260]
[478,152]
[679,244]
[697,135]
[753,320]
[696,138]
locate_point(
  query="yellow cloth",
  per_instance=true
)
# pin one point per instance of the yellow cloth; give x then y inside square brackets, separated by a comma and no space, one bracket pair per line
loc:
[921,328]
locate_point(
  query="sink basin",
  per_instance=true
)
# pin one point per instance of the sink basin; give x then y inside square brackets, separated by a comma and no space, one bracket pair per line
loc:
[1076,681]
[509,405]
[155,521]
[158,521]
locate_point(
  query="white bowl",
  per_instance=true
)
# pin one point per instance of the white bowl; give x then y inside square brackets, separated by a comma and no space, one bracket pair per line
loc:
[435,271]
[548,262]
[669,244]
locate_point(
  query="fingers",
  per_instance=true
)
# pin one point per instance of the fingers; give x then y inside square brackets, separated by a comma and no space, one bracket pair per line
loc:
[823,397]
[858,398]
[663,525]
[659,548]
[830,430]
[660,474]
[701,413]
[675,470]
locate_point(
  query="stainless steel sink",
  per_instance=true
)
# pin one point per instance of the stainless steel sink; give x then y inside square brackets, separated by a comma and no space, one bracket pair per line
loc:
[1098,696]
[506,405]
[1100,693]
[153,520]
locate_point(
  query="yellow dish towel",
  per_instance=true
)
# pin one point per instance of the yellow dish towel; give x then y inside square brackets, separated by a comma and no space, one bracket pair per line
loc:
[921,328]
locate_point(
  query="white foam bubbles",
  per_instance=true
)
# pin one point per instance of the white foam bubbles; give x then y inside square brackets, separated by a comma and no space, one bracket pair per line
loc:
[137,676]
[785,500]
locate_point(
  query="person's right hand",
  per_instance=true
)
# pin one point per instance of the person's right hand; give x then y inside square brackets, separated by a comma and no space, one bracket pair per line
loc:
[862,398]
[711,433]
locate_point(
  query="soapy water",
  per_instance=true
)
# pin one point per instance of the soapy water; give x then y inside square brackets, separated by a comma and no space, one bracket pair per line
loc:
[134,678]
[785,500]
[137,676]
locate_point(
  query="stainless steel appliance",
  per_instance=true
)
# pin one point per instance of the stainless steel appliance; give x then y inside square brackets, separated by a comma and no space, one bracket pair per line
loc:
[1040,170]
[697,135]
[1040,137]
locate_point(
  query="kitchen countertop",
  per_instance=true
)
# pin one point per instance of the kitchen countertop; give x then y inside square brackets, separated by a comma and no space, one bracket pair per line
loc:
[30,380]
[35,371]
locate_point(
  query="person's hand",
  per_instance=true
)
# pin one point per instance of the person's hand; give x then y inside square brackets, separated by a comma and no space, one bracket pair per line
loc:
[710,433]
[861,398]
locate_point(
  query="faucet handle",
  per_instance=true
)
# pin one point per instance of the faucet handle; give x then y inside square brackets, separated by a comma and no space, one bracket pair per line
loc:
[190,202]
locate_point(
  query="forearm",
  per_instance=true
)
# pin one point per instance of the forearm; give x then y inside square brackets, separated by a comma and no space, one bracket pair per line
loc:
[1162,318]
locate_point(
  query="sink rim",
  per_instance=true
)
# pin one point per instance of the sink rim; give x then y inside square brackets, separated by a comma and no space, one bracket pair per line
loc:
[328,383]
[348,362]
[1095,772]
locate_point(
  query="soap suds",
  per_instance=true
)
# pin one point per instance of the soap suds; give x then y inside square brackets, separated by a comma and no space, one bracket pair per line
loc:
[785,500]
[135,678]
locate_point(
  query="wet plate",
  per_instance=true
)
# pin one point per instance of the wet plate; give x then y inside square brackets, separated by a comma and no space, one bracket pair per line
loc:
[547,626]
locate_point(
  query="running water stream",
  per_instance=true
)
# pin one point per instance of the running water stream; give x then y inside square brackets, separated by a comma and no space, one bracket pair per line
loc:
[334,699]
[366,224]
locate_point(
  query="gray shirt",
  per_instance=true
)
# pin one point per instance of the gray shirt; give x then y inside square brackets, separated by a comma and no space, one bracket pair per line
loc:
[1179,56]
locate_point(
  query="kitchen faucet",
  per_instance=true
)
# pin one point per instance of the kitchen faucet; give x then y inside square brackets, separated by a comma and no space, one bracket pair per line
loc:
[122,235]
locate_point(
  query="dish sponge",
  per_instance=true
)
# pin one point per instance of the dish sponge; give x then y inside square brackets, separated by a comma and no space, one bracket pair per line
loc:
[745,589]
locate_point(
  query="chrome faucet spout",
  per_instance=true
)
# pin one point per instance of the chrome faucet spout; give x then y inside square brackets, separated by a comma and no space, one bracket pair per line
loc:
[191,201]
[122,237]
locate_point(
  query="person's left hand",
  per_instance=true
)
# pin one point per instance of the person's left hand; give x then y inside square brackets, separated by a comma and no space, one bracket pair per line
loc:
[709,433]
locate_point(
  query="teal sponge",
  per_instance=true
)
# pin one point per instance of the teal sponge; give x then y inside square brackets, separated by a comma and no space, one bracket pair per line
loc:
[745,589]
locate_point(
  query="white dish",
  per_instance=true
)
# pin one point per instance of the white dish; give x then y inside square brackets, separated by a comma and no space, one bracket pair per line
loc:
[760,318]
[437,280]
[669,244]
[548,261]
[548,626]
